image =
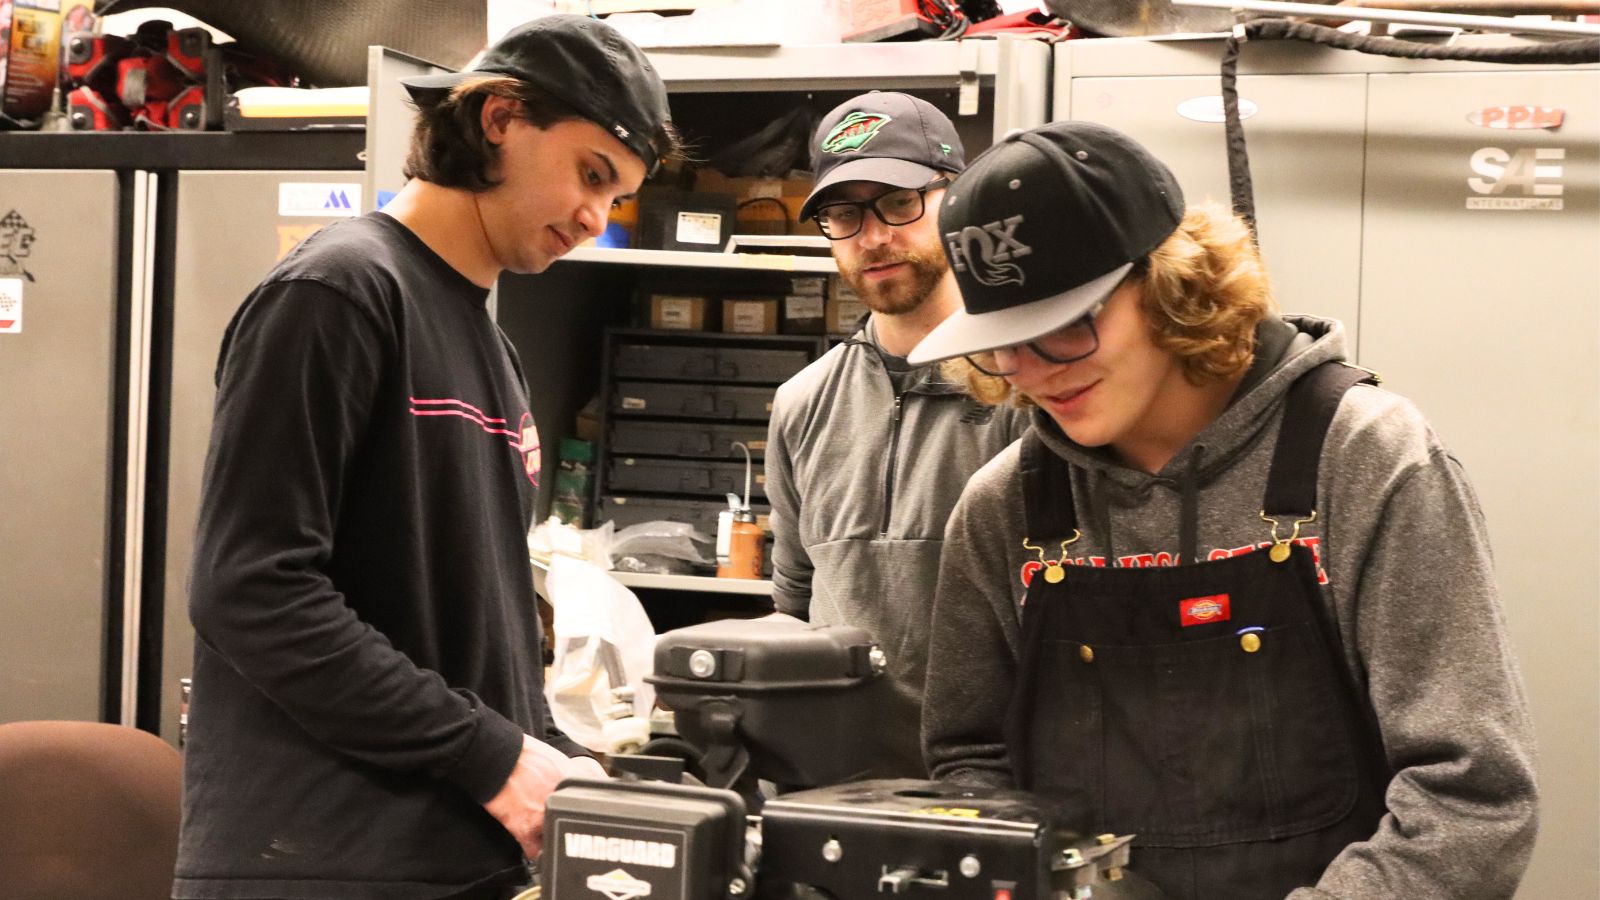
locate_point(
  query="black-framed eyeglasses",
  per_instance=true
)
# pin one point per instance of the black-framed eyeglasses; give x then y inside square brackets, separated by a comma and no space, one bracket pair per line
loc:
[901,206]
[1064,345]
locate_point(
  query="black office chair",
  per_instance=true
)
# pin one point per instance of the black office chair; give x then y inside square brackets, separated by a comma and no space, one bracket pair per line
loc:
[87,811]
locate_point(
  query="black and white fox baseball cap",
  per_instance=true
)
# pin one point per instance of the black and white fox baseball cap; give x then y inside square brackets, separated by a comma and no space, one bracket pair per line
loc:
[883,136]
[584,62]
[1042,227]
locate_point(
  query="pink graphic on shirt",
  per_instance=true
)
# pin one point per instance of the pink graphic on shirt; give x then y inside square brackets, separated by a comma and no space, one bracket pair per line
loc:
[532,459]
[524,439]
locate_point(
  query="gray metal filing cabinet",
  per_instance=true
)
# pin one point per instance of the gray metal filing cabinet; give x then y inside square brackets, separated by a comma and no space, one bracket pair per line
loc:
[1465,258]
[70,358]
[231,227]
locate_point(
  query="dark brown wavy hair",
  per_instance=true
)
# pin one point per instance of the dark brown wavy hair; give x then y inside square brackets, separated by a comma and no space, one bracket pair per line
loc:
[449,148]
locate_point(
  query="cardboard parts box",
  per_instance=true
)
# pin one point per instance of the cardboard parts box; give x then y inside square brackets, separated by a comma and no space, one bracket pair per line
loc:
[750,315]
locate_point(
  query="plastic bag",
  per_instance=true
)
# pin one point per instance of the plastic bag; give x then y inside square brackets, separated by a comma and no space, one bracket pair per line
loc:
[604,648]
[659,546]
[553,537]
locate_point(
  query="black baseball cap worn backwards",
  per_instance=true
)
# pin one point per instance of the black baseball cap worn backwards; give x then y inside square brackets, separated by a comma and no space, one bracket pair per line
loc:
[583,62]
[883,136]
[1042,228]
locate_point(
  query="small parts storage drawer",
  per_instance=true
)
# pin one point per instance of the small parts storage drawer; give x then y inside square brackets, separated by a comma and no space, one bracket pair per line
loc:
[699,439]
[682,476]
[702,514]
[727,363]
[707,401]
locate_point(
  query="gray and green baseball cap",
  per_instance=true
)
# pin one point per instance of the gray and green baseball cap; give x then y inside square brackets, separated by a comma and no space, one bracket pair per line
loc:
[886,137]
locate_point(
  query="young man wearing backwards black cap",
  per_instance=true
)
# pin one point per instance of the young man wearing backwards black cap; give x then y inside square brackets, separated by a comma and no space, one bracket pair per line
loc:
[867,453]
[1228,594]
[367,718]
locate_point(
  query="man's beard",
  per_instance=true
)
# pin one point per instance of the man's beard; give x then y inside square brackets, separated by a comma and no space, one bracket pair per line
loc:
[900,295]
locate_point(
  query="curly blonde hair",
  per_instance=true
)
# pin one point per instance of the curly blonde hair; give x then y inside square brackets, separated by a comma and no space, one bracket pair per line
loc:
[1203,291]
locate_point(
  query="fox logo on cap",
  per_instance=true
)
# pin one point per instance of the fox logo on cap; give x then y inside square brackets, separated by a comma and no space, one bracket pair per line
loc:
[996,245]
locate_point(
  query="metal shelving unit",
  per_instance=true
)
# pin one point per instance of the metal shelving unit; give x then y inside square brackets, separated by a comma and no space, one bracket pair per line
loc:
[990,85]
[1016,69]
[763,262]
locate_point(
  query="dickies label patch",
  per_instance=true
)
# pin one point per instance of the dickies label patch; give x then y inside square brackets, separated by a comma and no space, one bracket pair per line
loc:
[1204,610]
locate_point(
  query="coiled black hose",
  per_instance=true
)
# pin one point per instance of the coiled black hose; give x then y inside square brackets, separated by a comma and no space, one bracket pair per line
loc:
[1570,52]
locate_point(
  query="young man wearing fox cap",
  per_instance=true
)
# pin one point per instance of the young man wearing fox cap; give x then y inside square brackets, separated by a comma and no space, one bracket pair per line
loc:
[867,453]
[1229,594]
[367,718]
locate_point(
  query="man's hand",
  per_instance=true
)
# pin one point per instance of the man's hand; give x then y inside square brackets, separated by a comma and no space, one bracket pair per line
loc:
[520,804]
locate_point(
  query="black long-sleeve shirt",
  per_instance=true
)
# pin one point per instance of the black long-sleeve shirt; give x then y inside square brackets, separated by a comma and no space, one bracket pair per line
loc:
[367,653]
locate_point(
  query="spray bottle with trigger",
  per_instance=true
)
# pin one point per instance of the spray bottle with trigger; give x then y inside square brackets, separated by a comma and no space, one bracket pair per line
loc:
[739,538]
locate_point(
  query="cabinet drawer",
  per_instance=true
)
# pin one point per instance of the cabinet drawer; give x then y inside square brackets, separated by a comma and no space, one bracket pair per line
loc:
[707,401]
[702,439]
[682,476]
[664,361]
[754,364]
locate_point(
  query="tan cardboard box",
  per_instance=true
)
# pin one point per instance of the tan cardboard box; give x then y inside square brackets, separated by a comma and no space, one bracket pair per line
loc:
[678,312]
[803,314]
[844,308]
[809,284]
[750,315]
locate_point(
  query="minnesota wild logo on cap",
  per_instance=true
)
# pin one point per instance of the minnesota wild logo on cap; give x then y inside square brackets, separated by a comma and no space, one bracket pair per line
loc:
[853,132]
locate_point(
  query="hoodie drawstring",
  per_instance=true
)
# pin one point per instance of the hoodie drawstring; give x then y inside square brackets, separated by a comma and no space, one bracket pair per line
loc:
[1188,487]
[1189,523]
[1100,502]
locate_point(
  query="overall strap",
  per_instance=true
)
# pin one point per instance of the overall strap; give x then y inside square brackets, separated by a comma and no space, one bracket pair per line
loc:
[1046,491]
[1312,401]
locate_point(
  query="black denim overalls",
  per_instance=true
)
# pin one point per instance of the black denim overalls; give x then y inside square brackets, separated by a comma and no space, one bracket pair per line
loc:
[1204,707]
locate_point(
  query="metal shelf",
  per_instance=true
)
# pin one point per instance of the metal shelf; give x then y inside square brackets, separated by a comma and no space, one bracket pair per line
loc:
[699,583]
[703,584]
[172,150]
[827,66]
[685,259]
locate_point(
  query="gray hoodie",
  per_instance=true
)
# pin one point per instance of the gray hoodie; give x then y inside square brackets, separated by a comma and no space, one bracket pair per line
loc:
[865,458]
[1407,577]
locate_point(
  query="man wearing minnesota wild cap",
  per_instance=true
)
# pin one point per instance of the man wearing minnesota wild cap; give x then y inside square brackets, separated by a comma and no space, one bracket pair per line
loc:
[367,716]
[867,453]
[1229,594]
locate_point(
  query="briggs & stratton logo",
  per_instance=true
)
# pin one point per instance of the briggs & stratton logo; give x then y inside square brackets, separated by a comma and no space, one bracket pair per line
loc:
[618,885]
